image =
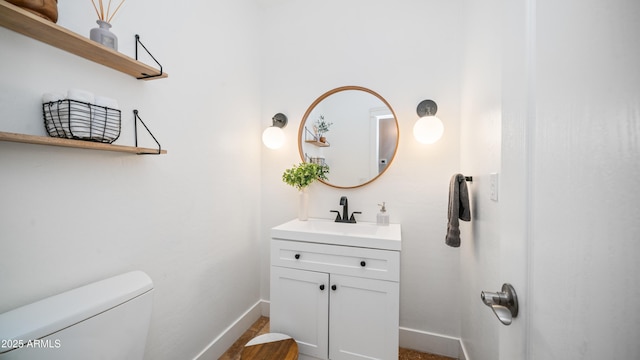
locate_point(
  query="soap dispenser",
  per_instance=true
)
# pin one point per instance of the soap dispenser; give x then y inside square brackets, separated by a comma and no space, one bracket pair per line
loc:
[383,217]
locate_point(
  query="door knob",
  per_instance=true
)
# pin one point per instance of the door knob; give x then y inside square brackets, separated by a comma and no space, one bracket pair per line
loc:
[322,287]
[333,287]
[504,304]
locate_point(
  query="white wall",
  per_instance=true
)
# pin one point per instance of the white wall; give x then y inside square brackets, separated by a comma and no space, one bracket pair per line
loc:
[495,104]
[481,155]
[406,51]
[515,182]
[70,217]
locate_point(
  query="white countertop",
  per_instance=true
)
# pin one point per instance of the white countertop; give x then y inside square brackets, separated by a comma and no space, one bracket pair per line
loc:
[324,231]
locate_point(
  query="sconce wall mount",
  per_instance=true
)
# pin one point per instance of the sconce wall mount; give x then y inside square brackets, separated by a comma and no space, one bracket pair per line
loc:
[427,108]
[280,120]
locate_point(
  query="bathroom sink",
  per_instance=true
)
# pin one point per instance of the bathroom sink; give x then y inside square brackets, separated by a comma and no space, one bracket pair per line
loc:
[323,231]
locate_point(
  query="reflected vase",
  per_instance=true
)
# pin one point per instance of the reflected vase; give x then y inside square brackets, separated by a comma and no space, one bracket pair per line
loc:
[303,205]
[103,35]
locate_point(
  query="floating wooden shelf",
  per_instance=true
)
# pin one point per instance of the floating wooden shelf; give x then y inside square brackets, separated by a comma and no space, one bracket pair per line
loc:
[45,140]
[14,18]
[312,139]
[317,143]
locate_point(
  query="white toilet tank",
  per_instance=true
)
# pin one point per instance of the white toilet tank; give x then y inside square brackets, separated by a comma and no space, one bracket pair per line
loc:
[106,320]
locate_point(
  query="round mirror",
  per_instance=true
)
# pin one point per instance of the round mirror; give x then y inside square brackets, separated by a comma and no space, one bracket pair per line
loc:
[353,131]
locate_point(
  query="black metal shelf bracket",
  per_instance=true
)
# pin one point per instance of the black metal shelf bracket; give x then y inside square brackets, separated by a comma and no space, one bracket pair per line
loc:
[135,128]
[146,76]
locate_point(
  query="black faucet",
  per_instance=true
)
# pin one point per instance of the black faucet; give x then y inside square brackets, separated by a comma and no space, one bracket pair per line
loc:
[345,212]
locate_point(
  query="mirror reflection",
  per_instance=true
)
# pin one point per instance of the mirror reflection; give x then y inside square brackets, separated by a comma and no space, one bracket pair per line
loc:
[354,131]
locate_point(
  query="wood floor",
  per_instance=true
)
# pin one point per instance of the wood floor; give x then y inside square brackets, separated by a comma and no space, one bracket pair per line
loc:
[262,327]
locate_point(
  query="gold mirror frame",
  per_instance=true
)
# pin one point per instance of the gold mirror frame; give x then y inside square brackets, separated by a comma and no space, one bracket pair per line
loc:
[301,133]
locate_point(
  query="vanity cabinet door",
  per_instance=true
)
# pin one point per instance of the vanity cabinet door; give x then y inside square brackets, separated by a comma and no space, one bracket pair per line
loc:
[300,308]
[364,318]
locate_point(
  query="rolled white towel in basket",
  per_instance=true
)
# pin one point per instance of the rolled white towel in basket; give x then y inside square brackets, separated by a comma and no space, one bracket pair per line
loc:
[106,102]
[81,95]
[100,116]
[58,114]
[52,97]
[80,119]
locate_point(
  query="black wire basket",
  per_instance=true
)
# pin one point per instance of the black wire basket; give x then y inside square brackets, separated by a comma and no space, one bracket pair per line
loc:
[79,120]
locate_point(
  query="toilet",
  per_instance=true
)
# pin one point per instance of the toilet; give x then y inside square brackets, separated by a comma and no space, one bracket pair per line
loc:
[272,346]
[108,320]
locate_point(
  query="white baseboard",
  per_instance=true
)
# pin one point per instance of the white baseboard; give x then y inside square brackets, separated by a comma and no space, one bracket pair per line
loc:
[463,352]
[409,338]
[219,345]
[429,342]
[265,306]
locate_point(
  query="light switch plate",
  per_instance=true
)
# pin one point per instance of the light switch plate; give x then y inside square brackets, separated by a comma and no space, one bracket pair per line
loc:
[493,186]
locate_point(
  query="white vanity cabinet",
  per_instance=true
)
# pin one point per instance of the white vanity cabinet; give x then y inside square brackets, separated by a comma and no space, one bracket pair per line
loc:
[337,301]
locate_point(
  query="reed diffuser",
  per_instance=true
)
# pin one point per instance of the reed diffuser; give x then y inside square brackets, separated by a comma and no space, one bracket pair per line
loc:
[102,34]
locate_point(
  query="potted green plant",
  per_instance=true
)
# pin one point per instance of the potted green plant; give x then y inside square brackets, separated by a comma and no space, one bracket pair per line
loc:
[322,127]
[301,176]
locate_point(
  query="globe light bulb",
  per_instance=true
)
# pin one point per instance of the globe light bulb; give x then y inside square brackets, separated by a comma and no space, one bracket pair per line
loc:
[273,137]
[428,129]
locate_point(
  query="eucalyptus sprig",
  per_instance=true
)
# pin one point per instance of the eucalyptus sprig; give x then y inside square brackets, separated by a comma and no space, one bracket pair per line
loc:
[304,174]
[322,126]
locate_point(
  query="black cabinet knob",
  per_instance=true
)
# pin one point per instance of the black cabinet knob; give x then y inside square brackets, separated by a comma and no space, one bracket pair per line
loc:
[297,256]
[333,287]
[363,263]
[322,287]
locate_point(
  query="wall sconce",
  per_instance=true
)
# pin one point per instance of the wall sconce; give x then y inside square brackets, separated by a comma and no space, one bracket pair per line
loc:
[273,136]
[428,129]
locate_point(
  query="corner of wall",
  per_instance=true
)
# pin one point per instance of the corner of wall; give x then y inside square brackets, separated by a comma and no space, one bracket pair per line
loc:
[220,344]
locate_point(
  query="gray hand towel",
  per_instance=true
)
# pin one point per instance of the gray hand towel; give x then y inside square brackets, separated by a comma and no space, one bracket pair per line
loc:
[458,209]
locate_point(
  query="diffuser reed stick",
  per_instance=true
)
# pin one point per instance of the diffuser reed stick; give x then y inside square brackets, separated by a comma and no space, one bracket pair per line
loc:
[105,16]
[116,10]
[95,7]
